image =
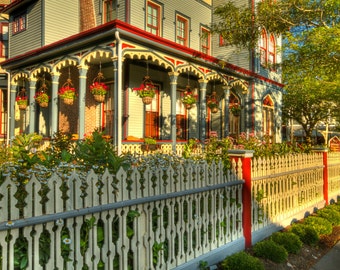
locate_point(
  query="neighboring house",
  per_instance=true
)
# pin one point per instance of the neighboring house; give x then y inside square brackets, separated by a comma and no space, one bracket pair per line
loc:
[169,41]
[3,74]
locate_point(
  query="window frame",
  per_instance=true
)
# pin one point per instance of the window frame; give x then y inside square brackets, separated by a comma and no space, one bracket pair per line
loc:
[205,40]
[151,28]
[272,52]
[106,13]
[185,30]
[19,23]
[4,42]
[263,48]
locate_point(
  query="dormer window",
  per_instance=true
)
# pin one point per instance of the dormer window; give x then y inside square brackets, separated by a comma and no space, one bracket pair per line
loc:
[19,23]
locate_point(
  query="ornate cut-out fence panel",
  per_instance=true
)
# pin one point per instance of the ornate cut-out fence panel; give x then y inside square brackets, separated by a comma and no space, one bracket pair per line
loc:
[153,217]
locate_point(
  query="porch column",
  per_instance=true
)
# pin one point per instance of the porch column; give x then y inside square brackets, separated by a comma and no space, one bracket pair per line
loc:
[82,103]
[173,86]
[203,109]
[11,112]
[32,104]
[226,90]
[54,103]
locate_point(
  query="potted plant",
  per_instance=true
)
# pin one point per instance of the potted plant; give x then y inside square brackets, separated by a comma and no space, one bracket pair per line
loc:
[68,94]
[99,90]
[42,99]
[235,109]
[188,99]
[22,102]
[146,91]
[150,144]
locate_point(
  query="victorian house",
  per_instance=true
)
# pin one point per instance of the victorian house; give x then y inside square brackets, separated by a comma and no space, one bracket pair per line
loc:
[152,57]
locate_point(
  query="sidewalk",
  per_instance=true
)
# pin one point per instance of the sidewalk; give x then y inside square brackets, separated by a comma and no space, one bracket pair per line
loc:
[331,261]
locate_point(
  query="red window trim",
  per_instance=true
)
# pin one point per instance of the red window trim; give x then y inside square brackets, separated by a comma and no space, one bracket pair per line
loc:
[150,26]
[19,23]
[185,22]
[205,41]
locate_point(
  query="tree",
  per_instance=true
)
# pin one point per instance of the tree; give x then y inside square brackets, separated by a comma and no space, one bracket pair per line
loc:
[311,51]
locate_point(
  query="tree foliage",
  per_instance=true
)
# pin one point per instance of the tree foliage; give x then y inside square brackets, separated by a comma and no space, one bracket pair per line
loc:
[311,50]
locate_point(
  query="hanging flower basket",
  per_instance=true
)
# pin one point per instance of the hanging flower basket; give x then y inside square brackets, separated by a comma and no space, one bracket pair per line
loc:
[98,88]
[67,93]
[212,103]
[235,109]
[147,100]
[189,99]
[42,99]
[22,102]
[146,91]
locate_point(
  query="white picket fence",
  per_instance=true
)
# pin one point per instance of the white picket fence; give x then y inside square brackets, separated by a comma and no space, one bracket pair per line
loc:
[162,218]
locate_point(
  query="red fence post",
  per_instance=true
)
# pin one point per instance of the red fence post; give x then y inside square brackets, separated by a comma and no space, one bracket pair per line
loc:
[246,156]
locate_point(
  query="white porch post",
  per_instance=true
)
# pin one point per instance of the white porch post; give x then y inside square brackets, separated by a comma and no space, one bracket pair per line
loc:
[54,103]
[203,109]
[226,110]
[82,103]
[32,105]
[173,86]
[11,112]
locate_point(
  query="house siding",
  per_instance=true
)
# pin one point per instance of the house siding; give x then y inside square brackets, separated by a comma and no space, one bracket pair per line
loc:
[31,38]
[230,54]
[189,9]
[59,20]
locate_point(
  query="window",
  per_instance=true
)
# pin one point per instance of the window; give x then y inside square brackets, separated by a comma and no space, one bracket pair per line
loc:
[153,18]
[272,51]
[19,23]
[181,30]
[221,41]
[268,117]
[109,10]
[4,40]
[263,48]
[3,112]
[205,40]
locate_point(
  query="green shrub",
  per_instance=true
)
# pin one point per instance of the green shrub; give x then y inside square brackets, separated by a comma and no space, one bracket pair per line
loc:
[268,249]
[306,233]
[321,225]
[330,214]
[290,241]
[242,261]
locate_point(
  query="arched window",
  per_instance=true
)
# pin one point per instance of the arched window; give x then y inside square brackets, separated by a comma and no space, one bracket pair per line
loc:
[268,124]
[263,47]
[272,51]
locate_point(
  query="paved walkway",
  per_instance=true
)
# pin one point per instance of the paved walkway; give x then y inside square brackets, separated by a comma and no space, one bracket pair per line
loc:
[331,261]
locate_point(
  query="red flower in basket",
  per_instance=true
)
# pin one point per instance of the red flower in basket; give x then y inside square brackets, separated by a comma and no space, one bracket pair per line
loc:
[21,100]
[67,92]
[99,88]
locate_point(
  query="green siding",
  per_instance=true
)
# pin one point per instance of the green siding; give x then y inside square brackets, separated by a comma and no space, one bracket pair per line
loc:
[31,38]
[60,21]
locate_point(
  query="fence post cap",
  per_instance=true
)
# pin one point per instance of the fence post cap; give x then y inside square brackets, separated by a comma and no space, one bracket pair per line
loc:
[241,153]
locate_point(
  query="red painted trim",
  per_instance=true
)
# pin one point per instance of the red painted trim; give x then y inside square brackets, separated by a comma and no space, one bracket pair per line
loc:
[325,176]
[142,35]
[246,198]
